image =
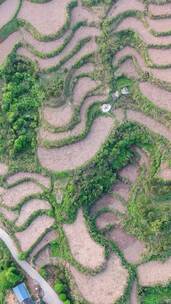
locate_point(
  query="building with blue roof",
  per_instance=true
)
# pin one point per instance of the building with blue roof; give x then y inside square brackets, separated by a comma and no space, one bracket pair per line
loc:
[22,294]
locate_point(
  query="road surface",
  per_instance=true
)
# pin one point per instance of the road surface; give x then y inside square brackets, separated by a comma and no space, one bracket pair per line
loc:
[50,296]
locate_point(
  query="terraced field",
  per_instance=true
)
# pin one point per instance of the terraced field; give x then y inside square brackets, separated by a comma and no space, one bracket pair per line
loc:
[85,131]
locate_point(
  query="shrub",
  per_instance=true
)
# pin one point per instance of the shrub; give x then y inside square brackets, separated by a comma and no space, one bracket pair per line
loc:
[59,287]
[63,297]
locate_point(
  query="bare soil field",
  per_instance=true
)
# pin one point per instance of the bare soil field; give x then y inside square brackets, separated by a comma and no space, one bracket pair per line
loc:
[108,201]
[43,16]
[58,117]
[154,273]
[49,237]
[122,6]
[30,207]
[160,56]
[8,214]
[7,45]
[105,219]
[121,189]
[137,26]
[72,156]
[79,128]
[128,69]
[34,231]
[159,10]
[105,287]
[7,11]
[134,295]
[130,172]
[16,194]
[43,180]
[84,249]
[159,96]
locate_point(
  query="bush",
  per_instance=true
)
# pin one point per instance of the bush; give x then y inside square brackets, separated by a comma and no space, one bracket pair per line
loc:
[59,287]
[62,297]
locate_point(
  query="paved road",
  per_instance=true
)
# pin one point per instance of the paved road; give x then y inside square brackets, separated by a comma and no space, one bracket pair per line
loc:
[50,297]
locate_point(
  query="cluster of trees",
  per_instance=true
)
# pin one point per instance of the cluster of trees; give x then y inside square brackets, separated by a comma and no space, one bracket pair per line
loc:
[21,98]
[9,274]
[62,290]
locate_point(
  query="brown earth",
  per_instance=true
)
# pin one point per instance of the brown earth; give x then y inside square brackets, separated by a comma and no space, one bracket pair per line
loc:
[72,156]
[84,249]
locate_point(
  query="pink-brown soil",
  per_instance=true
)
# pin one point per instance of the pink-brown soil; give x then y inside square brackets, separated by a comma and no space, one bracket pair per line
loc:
[48,238]
[154,273]
[79,128]
[165,173]
[13,196]
[43,258]
[82,87]
[58,117]
[3,169]
[43,180]
[147,122]
[47,18]
[72,156]
[34,231]
[128,69]
[105,219]
[7,11]
[7,45]
[81,14]
[8,214]
[123,6]
[159,10]
[81,33]
[132,249]
[160,97]
[89,48]
[30,207]
[130,172]
[108,201]
[160,56]
[159,25]
[161,74]
[137,26]
[43,46]
[150,123]
[121,189]
[105,287]
[84,249]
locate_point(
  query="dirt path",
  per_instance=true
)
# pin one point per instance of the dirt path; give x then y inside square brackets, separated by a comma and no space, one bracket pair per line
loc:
[3,169]
[34,231]
[79,128]
[160,97]
[84,249]
[7,11]
[47,18]
[73,156]
[134,295]
[106,287]
[123,6]
[154,273]
[30,207]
